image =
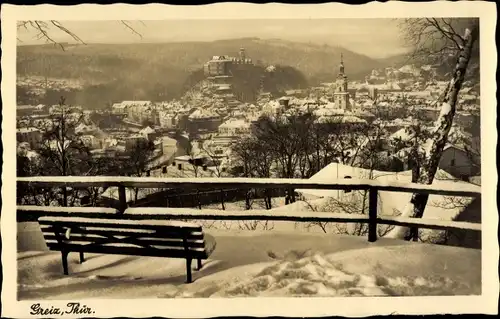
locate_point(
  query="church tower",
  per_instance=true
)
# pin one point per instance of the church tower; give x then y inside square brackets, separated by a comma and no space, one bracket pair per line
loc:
[341,95]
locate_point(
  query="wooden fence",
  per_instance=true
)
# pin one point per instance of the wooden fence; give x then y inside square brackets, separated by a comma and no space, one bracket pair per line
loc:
[372,186]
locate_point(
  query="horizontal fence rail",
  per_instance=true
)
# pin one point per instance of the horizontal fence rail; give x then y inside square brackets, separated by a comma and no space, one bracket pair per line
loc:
[138,213]
[450,188]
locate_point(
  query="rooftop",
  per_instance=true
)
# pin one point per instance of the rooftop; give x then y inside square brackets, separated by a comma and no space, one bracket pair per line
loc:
[27,130]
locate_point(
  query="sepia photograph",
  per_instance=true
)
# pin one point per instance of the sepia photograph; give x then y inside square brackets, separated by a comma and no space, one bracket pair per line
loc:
[248,158]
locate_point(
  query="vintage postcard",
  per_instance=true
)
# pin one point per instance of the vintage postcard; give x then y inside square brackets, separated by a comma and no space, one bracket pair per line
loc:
[239,159]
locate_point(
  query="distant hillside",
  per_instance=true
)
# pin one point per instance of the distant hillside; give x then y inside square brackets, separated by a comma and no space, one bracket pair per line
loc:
[160,71]
[395,61]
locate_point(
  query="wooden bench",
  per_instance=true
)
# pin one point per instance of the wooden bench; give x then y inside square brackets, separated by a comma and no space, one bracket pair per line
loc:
[157,238]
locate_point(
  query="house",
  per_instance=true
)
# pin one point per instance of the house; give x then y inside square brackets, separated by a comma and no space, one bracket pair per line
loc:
[31,135]
[203,120]
[25,110]
[140,111]
[84,129]
[167,119]
[132,140]
[119,108]
[460,162]
[169,146]
[109,142]
[55,109]
[148,133]
[91,141]
[234,127]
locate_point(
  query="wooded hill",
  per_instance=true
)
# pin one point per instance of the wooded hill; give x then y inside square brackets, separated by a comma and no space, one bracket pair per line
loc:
[161,71]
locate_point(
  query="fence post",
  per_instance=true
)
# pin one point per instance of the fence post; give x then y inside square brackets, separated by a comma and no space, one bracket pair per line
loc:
[372,214]
[122,197]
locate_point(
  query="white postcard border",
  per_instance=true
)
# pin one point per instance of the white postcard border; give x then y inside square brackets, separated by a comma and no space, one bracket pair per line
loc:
[192,308]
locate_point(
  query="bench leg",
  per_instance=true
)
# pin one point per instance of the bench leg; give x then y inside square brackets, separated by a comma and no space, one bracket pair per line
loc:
[64,255]
[82,258]
[188,270]
[199,265]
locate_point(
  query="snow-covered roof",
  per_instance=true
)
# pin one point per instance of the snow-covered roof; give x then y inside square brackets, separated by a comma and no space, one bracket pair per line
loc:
[408,69]
[135,136]
[119,106]
[201,113]
[363,113]
[328,112]
[235,123]
[402,134]
[475,180]
[220,58]
[147,130]
[131,103]
[352,119]
[27,130]
[23,145]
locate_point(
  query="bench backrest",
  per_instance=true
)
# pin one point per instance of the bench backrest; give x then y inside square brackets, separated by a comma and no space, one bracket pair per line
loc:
[121,236]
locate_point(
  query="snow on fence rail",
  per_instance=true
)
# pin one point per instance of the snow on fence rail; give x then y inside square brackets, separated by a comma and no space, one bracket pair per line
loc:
[449,189]
[373,186]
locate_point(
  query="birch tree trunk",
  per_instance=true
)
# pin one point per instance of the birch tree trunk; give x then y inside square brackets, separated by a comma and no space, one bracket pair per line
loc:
[415,208]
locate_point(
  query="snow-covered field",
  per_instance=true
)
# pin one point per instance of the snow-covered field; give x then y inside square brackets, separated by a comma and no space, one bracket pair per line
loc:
[256,263]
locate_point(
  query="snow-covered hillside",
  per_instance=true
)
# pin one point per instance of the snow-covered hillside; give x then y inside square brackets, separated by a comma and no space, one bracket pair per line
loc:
[261,263]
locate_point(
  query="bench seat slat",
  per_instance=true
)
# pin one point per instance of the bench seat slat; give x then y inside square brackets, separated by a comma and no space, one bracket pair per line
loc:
[125,249]
[84,244]
[127,232]
[167,242]
[121,226]
[119,223]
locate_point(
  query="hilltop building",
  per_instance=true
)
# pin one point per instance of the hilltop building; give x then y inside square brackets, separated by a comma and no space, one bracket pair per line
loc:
[221,66]
[242,58]
[218,66]
[220,70]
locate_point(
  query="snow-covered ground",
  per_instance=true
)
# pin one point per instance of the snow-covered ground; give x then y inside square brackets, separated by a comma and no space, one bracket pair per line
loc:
[257,263]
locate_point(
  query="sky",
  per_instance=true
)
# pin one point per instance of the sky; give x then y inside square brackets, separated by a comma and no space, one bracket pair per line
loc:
[376,38]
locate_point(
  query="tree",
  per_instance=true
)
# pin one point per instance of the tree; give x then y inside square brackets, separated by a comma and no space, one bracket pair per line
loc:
[412,147]
[450,42]
[362,146]
[252,159]
[62,150]
[101,166]
[135,160]
[213,161]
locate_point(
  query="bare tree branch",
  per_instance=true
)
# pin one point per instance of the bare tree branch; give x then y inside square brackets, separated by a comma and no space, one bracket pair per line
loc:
[43,30]
[128,26]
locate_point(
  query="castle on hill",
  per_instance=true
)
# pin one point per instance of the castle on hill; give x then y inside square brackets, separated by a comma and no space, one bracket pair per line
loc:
[223,66]
[220,72]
